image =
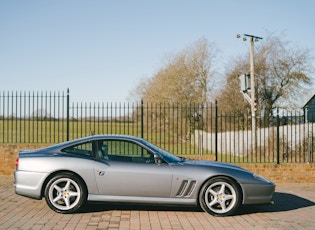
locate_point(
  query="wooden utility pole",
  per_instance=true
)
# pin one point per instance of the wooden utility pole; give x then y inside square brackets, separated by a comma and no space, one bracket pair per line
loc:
[253,94]
[252,99]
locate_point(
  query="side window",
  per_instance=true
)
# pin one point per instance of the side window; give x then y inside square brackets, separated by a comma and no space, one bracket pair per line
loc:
[128,152]
[84,149]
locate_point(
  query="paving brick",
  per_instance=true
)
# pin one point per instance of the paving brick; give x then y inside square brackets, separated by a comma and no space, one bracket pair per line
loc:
[294,208]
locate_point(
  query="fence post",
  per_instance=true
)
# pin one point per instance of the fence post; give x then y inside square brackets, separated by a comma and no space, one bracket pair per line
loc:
[216,130]
[68,114]
[142,120]
[278,138]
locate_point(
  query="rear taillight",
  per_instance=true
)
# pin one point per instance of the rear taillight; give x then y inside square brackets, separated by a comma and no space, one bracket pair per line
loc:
[17,162]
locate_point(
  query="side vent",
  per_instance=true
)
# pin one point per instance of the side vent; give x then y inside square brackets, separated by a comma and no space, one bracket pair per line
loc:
[186,188]
[182,188]
[190,188]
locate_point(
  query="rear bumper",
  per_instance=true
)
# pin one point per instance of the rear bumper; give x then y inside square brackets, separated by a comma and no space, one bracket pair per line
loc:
[258,193]
[29,184]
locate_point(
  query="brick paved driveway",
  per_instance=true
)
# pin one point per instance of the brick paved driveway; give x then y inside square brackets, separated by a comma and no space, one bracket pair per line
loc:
[294,208]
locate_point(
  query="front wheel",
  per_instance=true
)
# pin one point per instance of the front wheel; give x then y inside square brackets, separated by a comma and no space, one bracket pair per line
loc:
[65,193]
[220,196]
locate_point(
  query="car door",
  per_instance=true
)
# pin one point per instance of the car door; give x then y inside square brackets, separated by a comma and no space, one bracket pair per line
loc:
[130,170]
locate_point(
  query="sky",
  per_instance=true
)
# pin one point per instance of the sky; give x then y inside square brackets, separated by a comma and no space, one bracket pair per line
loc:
[102,49]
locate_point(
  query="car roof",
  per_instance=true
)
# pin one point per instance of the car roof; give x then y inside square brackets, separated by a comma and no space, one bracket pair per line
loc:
[95,137]
[112,136]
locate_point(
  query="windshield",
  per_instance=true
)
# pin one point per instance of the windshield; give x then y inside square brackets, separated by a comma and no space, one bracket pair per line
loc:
[170,158]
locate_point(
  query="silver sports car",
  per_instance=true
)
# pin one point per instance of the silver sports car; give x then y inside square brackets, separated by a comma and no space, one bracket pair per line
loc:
[115,168]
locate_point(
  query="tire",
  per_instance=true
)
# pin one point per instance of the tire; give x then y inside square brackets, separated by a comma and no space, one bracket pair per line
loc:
[65,193]
[220,196]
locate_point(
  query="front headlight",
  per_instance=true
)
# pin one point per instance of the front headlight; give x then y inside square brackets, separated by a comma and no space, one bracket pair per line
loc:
[260,178]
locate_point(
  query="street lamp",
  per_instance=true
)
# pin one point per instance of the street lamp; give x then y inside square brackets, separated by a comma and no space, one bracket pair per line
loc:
[252,99]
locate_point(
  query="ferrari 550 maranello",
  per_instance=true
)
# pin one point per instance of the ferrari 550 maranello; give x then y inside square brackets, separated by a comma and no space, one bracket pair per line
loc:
[116,168]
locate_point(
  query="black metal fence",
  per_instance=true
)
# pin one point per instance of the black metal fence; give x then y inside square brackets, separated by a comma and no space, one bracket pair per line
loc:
[194,129]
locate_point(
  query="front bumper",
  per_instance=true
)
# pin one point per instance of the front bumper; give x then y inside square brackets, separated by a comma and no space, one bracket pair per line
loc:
[258,193]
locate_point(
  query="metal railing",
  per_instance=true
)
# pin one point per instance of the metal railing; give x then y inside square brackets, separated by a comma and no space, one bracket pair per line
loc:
[194,129]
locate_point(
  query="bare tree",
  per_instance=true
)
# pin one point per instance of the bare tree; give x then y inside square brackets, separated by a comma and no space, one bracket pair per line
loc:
[185,82]
[283,73]
[185,78]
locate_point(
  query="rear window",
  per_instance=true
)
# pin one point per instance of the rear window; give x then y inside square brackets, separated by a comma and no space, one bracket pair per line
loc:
[84,149]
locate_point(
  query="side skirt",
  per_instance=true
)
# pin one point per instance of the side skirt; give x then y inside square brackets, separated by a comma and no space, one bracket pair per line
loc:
[143,200]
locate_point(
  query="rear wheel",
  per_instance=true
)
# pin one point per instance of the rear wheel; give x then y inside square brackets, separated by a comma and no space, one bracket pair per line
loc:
[65,193]
[220,196]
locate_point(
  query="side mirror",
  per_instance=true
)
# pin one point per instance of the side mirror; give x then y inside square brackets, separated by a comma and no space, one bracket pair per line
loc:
[157,159]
